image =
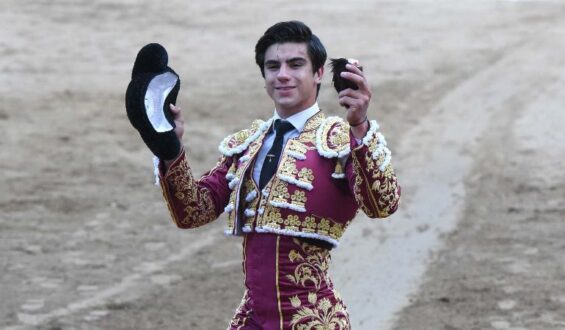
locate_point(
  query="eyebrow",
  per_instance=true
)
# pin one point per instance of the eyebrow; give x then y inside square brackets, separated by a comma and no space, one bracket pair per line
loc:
[291,60]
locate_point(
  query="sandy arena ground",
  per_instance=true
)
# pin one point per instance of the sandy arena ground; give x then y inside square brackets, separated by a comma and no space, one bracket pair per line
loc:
[468,93]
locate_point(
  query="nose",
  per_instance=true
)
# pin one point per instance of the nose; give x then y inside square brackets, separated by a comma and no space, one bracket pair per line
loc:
[283,73]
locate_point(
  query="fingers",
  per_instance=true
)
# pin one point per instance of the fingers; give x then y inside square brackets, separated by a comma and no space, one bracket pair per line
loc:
[174,109]
[346,101]
[353,103]
[354,67]
[356,75]
[362,97]
[179,120]
[177,112]
[353,61]
[355,112]
[355,99]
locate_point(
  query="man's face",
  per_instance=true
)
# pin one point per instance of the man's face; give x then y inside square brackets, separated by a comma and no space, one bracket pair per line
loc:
[289,79]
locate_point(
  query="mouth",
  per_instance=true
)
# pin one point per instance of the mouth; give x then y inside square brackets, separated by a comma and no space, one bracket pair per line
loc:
[284,88]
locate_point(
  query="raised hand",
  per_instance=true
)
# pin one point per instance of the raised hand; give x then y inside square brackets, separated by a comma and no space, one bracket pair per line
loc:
[355,101]
[179,120]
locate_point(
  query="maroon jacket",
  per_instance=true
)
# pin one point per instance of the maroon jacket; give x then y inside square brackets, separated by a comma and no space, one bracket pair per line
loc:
[323,178]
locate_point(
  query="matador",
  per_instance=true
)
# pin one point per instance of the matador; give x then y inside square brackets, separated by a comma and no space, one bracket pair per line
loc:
[290,184]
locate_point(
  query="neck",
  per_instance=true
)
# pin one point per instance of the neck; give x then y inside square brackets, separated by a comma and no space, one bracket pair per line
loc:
[285,113]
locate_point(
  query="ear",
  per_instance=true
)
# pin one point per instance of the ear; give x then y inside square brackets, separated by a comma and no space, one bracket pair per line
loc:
[319,74]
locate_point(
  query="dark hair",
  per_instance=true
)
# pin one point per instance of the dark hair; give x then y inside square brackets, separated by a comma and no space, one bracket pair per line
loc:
[291,31]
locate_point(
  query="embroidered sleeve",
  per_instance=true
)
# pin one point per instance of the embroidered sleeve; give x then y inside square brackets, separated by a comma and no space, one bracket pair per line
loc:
[371,175]
[193,203]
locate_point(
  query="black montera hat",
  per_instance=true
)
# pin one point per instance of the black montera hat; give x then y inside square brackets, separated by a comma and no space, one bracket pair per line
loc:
[153,87]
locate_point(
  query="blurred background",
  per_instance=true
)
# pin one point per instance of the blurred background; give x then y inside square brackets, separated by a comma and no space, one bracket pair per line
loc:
[468,93]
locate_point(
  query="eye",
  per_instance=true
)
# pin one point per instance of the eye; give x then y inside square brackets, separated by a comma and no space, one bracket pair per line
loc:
[295,64]
[272,66]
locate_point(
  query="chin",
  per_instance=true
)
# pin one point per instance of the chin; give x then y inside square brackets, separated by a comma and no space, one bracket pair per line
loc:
[285,103]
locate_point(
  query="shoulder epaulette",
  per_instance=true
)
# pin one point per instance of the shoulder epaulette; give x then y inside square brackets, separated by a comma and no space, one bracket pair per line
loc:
[238,142]
[332,138]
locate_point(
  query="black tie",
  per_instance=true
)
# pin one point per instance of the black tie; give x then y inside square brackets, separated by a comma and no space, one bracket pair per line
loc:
[272,159]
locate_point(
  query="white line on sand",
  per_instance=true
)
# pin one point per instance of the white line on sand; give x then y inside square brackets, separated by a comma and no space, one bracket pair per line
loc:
[377,273]
[128,283]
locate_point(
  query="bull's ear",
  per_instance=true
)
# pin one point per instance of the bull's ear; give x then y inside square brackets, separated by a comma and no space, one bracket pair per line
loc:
[338,66]
[152,58]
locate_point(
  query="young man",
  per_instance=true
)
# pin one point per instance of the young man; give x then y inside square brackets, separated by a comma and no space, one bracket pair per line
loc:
[290,185]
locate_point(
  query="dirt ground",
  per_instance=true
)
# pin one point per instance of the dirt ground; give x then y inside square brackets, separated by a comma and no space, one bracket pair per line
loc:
[468,93]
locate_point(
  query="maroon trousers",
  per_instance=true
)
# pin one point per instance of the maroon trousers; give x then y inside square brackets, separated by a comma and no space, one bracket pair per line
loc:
[287,286]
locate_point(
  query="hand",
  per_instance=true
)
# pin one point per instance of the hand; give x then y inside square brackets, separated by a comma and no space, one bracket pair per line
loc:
[356,101]
[178,119]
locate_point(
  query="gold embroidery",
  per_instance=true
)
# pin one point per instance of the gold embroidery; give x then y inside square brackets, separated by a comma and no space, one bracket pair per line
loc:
[336,230]
[231,171]
[280,192]
[334,138]
[236,139]
[199,207]
[249,187]
[373,143]
[379,187]
[314,122]
[295,301]
[388,172]
[322,315]
[313,268]
[307,137]
[289,173]
[255,145]
[240,169]
[306,175]
[298,198]
[309,225]
[338,168]
[298,147]
[231,214]
[357,187]
[292,222]
[241,136]
[324,226]
[339,137]
[236,142]
[255,124]
[277,281]
[272,218]
[242,312]
[288,167]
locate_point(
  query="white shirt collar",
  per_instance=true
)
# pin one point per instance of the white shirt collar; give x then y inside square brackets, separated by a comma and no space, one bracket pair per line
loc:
[298,120]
